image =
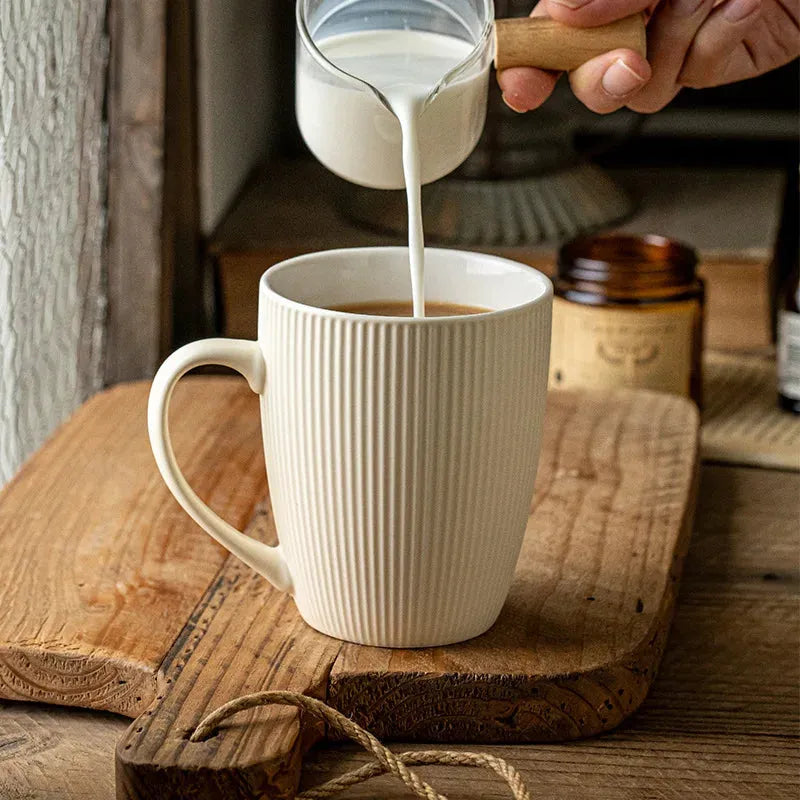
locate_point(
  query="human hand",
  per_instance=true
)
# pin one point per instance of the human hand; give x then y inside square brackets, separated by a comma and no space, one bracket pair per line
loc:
[693,43]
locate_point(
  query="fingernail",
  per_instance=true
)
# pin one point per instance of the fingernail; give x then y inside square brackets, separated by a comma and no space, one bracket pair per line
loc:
[620,80]
[573,4]
[737,10]
[685,8]
[509,100]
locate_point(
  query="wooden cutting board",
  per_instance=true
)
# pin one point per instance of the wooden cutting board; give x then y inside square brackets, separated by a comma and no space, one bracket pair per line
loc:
[113,599]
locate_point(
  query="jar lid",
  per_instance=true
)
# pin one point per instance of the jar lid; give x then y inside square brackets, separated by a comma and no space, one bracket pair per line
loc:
[604,257]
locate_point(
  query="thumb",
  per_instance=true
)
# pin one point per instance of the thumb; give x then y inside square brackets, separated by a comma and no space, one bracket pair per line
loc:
[607,82]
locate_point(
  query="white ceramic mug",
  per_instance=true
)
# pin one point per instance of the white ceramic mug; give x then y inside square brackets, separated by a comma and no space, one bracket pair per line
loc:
[401,453]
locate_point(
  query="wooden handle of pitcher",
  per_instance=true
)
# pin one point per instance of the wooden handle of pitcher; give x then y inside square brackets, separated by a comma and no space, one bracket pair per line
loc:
[547,44]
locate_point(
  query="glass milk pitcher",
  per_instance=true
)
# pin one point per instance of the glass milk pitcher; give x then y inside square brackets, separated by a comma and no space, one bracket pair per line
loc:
[347,123]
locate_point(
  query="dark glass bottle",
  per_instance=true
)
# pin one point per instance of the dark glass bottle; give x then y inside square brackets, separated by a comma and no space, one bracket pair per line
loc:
[628,311]
[788,352]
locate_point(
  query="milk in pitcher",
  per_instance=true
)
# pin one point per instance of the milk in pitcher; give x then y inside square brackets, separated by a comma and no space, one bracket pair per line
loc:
[422,137]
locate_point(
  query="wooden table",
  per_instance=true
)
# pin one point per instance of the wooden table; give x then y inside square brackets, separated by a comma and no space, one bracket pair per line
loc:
[722,720]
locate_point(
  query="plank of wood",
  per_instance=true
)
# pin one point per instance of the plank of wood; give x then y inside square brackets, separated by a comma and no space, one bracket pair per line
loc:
[93,160]
[104,567]
[747,528]
[573,654]
[52,223]
[737,315]
[184,270]
[577,644]
[137,304]
[634,763]
[744,550]
[243,637]
[723,716]
[104,621]
[51,753]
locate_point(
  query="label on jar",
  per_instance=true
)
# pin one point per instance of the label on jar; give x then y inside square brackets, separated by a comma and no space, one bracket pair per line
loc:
[789,354]
[604,347]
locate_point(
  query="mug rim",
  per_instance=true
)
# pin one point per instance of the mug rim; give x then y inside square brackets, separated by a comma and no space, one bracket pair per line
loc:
[544,280]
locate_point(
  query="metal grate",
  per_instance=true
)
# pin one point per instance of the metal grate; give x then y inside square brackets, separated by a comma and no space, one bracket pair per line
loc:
[526,211]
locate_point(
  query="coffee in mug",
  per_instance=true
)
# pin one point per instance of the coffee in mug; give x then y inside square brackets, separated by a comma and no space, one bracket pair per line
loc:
[401,308]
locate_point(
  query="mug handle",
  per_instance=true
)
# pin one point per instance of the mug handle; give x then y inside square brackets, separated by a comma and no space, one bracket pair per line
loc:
[245,357]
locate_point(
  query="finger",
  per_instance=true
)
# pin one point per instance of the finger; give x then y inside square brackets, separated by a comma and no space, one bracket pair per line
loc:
[526,88]
[670,34]
[588,13]
[771,41]
[607,82]
[718,42]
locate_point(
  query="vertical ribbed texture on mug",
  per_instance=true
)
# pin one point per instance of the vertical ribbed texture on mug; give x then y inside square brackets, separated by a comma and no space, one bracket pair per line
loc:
[401,461]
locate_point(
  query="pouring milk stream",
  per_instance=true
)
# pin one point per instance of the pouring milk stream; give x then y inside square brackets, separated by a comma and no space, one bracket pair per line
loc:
[385,99]
[405,66]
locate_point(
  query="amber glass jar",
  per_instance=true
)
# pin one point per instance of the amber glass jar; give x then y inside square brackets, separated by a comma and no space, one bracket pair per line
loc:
[628,311]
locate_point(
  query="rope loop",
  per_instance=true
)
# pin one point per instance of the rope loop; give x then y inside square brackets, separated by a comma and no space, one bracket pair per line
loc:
[385,759]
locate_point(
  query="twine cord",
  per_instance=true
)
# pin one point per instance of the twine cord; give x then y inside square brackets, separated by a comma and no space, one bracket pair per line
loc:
[385,759]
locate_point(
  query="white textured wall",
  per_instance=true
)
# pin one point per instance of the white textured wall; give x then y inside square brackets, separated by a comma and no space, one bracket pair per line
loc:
[52,167]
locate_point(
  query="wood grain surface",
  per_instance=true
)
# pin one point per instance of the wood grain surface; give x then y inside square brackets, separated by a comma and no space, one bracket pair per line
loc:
[580,637]
[721,720]
[135,601]
[573,654]
[56,753]
[53,218]
[542,42]
[137,320]
[244,636]
[723,717]
[102,567]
